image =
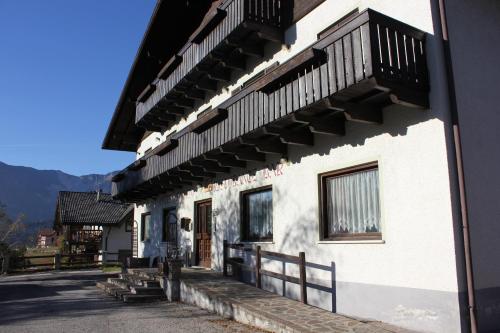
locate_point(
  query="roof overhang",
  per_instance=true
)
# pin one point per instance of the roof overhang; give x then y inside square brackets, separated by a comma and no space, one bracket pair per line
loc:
[170,26]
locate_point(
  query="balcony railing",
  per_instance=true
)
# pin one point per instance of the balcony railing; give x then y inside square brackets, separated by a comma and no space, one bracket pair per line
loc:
[231,33]
[349,75]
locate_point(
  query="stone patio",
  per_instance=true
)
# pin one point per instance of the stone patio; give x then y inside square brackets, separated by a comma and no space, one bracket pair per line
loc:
[250,305]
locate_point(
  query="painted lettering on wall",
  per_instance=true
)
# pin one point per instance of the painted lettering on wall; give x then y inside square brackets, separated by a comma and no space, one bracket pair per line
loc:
[269,172]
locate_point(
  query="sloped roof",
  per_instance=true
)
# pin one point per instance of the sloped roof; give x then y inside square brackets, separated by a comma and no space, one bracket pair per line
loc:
[85,208]
[46,232]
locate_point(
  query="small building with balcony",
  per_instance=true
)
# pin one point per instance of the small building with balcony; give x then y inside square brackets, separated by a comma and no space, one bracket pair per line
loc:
[93,223]
[318,126]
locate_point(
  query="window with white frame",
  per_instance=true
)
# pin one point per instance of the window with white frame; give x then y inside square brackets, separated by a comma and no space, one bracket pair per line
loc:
[350,204]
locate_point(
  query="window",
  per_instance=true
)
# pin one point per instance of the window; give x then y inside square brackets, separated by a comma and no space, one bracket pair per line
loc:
[169,233]
[145,227]
[350,204]
[128,225]
[257,215]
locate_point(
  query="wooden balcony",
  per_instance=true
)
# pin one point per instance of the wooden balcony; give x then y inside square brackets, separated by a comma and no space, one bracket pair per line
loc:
[350,75]
[230,33]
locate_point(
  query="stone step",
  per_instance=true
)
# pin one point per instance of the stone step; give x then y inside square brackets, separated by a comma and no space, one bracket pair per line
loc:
[133,298]
[147,291]
[151,284]
[110,288]
[122,283]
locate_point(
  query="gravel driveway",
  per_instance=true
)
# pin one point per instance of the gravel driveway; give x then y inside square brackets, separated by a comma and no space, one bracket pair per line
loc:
[70,302]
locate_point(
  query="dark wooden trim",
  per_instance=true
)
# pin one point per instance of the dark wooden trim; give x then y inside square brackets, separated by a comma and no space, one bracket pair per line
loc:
[337,24]
[244,215]
[208,119]
[204,30]
[148,91]
[169,67]
[289,69]
[118,177]
[323,229]
[169,145]
[137,165]
[303,7]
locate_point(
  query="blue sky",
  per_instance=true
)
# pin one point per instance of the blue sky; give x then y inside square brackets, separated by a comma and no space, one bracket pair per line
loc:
[63,64]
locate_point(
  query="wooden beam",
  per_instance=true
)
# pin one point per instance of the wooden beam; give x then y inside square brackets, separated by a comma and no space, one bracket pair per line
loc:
[196,171]
[226,160]
[266,145]
[359,112]
[207,120]
[210,166]
[195,94]
[222,75]
[206,85]
[237,63]
[328,126]
[184,102]
[244,154]
[301,136]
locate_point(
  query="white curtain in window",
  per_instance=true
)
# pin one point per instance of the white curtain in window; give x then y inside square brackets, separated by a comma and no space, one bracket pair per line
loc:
[147,227]
[353,203]
[260,214]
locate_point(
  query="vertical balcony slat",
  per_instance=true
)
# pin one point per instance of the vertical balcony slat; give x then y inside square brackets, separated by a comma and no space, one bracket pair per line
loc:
[332,73]
[403,68]
[348,61]
[357,52]
[295,93]
[289,98]
[391,37]
[271,107]
[282,101]
[339,65]
[309,88]
[276,104]
[316,81]
[302,91]
[323,72]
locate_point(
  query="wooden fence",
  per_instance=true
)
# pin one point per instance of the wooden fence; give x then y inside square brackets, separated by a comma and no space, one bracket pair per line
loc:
[54,261]
[299,260]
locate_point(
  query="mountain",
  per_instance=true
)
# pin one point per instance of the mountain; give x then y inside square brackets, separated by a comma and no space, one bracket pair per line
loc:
[34,192]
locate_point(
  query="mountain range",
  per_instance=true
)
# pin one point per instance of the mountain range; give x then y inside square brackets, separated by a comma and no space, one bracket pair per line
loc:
[32,192]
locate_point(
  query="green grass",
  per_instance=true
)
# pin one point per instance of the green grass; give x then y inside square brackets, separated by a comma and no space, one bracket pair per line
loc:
[111,268]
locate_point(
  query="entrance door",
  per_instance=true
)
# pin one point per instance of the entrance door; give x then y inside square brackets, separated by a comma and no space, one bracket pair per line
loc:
[203,233]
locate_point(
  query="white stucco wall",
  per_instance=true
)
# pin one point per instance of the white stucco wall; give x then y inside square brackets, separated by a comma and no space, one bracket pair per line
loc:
[410,277]
[117,239]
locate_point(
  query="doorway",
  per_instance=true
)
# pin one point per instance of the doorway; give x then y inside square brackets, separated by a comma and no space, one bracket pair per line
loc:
[203,233]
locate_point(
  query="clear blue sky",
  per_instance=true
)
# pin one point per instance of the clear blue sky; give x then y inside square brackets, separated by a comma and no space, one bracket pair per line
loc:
[63,64]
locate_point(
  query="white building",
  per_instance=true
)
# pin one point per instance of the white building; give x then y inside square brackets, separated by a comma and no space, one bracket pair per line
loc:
[92,222]
[331,128]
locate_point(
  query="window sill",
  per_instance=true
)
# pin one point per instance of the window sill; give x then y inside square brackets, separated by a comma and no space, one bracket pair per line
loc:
[374,241]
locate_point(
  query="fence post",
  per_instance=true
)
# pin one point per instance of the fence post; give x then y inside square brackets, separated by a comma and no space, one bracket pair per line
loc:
[224,257]
[5,264]
[302,277]
[57,261]
[258,281]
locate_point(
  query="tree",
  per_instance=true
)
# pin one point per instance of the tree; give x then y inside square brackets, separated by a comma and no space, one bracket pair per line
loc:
[10,230]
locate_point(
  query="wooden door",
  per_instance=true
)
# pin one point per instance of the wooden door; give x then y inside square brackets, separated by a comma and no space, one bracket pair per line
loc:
[204,233]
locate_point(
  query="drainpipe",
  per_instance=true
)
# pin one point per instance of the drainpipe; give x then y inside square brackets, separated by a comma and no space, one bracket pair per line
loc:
[460,169]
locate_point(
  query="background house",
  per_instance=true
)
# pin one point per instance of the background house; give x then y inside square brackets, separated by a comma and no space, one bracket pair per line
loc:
[94,223]
[46,238]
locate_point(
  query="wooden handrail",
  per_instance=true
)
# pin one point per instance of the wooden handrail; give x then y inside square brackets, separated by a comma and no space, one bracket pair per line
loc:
[299,260]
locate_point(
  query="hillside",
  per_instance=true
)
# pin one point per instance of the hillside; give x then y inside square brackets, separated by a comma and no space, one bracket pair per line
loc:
[34,192]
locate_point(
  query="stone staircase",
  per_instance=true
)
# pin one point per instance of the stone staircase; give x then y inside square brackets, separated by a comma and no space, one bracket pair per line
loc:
[135,286]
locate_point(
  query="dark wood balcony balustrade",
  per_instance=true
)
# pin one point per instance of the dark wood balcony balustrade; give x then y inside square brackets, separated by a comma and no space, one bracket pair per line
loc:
[231,33]
[370,62]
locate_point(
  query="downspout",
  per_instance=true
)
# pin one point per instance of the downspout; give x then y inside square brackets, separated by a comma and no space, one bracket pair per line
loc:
[460,168]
